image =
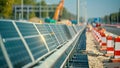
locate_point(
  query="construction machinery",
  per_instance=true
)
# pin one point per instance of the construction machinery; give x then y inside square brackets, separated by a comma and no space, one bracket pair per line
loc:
[57,14]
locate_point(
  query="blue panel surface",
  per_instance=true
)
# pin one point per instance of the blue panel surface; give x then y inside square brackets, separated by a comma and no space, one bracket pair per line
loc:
[66,31]
[17,53]
[61,32]
[42,29]
[50,42]
[3,63]
[52,34]
[27,29]
[36,46]
[71,30]
[7,30]
[54,27]
[48,35]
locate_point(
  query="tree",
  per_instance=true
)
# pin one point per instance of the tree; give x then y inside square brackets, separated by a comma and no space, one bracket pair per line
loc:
[44,14]
[6,8]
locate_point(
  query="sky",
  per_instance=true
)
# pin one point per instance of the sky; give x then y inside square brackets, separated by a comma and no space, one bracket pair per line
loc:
[95,8]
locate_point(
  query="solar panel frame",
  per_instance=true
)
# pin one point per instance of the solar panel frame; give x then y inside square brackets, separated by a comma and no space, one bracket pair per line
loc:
[66,31]
[62,33]
[36,46]
[57,33]
[34,35]
[3,62]
[43,29]
[27,29]
[7,30]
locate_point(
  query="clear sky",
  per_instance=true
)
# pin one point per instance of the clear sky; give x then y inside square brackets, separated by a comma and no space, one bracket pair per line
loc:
[95,8]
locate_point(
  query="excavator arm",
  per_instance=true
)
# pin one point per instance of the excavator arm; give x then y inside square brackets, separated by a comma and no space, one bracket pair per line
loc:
[58,11]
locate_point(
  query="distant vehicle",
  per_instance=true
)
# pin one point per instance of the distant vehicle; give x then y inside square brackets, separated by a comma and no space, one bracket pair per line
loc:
[97,20]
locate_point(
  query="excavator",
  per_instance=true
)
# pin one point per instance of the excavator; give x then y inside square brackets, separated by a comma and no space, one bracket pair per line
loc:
[57,14]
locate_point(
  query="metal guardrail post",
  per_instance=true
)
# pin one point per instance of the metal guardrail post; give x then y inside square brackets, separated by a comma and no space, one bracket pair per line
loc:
[42,37]
[5,53]
[24,42]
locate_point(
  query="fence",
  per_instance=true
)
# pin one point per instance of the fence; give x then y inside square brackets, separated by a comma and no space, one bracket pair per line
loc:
[24,44]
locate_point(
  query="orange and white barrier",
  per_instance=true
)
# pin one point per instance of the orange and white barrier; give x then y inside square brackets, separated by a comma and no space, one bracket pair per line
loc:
[103,43]
[117,47]
[117,50]
[110,46]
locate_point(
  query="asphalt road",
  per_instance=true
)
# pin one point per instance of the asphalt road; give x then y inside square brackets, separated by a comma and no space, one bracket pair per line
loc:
[113,29]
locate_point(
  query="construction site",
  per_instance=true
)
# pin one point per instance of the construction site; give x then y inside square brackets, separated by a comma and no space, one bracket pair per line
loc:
[36,34]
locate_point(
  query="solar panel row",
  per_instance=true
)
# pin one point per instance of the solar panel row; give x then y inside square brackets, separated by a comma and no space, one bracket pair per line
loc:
[27,42]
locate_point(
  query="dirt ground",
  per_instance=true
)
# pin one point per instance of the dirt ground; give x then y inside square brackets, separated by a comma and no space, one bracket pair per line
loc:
[94,55]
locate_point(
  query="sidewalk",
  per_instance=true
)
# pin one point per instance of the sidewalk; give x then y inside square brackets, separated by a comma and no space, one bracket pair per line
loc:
[95,60]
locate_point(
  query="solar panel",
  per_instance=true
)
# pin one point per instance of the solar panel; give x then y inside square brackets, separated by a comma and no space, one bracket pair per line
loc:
[52,34]
[61,33]
[50,40]
[33,39]
[3,63]
[17,53]
[66,31]
[27,29]
[15,48]
[54,27]
[36,46]
[78,27]
[7,30]
[72,32]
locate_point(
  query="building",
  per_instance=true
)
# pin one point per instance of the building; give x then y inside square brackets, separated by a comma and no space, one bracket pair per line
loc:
[27,9]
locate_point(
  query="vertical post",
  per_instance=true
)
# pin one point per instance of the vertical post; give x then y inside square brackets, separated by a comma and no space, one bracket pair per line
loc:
[2,46]
[28,12]
[22,9]
[15,12]
[78,7]
[40,11]
[85,12]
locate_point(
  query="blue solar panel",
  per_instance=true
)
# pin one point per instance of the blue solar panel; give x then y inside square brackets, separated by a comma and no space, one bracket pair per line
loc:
[54,27]
[66,31]
[27,29]
[52,34]
[72,32]
[7,30]
[64,38]
[36,46]
[50,38]
[42,29]
[17,53]
[51,44]
[3,63]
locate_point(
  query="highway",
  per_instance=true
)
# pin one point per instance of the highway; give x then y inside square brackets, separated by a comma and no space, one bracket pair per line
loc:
[112,29]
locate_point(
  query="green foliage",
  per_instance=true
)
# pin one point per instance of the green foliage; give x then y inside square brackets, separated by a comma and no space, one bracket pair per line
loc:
[32,15]
[67,15]
[6,8]
[112,18]
[7,12]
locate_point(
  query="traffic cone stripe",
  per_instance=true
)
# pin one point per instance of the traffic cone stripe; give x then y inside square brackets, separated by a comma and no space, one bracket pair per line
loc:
[117,53]
[110,49]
